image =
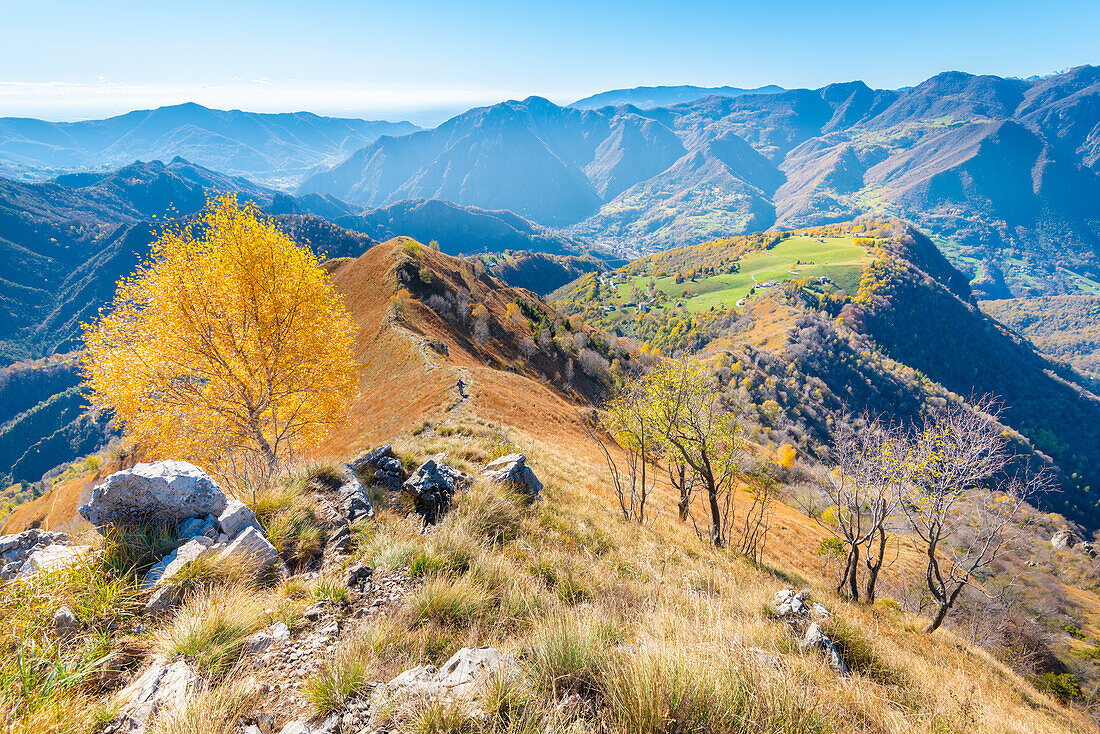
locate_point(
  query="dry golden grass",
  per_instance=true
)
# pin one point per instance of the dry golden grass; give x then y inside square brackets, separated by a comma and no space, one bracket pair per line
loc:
[652,626]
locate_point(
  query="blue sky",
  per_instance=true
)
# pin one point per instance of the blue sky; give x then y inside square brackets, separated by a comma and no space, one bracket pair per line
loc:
[423,60]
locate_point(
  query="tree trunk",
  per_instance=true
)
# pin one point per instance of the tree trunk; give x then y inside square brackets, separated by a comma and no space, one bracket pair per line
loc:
[715,514]
[944,608]
[874,564]
[937,620]
[685,499]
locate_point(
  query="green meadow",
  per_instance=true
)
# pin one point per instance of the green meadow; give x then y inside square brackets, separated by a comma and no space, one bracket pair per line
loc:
[837,258]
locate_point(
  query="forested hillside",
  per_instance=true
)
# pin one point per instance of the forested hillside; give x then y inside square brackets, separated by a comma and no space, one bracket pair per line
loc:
[807,353]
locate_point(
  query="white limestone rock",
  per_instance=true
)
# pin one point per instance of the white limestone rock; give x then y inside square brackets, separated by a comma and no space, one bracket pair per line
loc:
[168,491]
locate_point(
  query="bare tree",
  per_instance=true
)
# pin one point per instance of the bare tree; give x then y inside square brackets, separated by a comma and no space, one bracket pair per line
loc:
[752,536]
[527,347]
[960,500]
[632,486]
[862,492]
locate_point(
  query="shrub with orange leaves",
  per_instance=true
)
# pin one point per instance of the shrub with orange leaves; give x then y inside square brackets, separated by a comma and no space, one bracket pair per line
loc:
[228,347]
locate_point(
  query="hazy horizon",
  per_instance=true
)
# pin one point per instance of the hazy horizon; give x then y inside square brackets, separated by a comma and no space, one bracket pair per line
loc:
[68,61]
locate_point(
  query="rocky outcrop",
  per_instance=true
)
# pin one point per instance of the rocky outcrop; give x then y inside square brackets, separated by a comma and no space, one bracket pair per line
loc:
[236,517]
[163,570]
[384,466]
[32,551]
[461,677]
[815,639]
[168,491]
[513,471]
[795,609]
[353,500]
[1063,539]
[161,692]
[15,548]
[432,488]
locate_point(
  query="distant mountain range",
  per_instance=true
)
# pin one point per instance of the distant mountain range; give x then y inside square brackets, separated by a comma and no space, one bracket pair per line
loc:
[648,98]
[271,148]
[1000,171]
[66,242]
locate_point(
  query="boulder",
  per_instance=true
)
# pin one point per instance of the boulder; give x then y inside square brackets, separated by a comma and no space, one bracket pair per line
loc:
[353,500]
[460,678]
[64,620]
[387,468]
[1063,539]
[815,639]
[513,470]
[252,548]
[432,487]
[162,572]
[168,491]
[161,692]
[16,548]
[236,517]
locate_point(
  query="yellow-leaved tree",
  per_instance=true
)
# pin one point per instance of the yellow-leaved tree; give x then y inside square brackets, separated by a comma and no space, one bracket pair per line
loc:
[228,347]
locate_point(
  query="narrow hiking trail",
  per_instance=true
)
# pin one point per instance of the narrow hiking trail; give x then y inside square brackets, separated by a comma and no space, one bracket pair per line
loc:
[460,407]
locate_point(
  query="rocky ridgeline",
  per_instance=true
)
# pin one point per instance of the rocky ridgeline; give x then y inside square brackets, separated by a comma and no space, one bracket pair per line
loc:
[278,660]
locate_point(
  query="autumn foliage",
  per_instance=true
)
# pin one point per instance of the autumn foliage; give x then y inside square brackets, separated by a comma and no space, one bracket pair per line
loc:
[228,347]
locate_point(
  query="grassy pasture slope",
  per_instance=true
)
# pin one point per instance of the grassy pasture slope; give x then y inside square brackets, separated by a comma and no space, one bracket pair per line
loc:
[836,257]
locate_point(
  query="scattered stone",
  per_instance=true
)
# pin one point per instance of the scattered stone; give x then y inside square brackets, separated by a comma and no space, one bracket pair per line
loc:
[330,630]
[279,632]
[161,692]
[766,658]
[789,603]
[251,547]
[236,517]
[1063,539]
[432,487]
[64,620]
[819,611]
[52,558]
[357,574]
[461,677]
[169,491]
[513,470]
[297,727]
[815,639]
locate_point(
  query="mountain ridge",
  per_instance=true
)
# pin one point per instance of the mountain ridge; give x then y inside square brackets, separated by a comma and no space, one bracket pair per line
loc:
[271,147]
[995,169]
